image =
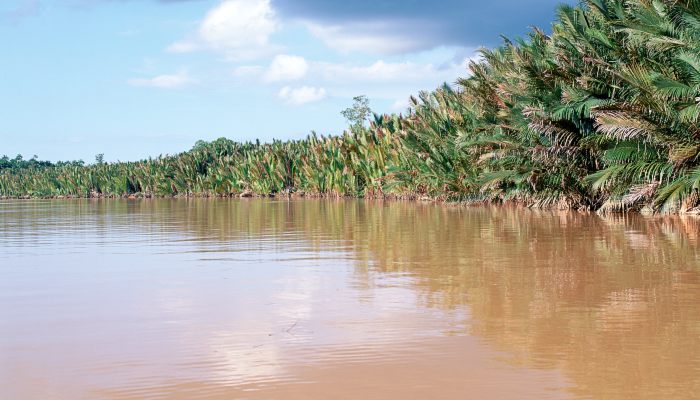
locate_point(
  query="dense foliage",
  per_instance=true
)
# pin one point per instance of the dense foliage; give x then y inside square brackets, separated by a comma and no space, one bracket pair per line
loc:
[19,163]
[604,113]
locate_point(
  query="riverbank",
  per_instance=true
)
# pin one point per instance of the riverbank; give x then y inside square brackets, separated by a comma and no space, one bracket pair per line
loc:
[603,114]
[411,199]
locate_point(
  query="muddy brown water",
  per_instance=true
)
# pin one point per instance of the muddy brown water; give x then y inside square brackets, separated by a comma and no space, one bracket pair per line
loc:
[314,299]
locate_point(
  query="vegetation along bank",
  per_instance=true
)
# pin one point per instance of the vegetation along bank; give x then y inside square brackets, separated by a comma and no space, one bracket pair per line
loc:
[601,114]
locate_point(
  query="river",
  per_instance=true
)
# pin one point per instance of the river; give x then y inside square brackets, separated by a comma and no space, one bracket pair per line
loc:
[344,299]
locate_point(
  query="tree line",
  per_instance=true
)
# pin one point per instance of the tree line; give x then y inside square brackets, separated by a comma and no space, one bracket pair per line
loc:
[603,113]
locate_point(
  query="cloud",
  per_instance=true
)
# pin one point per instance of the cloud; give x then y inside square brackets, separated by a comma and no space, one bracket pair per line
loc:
[172,81]
[399,26]
[381,79]
[372,38]
[389,80]
[301,95]
[236,24]
[242,28]
[286,68]
[382,71]
[238,28]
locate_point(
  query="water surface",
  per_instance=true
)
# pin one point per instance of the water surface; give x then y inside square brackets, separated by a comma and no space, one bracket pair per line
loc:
[269,299]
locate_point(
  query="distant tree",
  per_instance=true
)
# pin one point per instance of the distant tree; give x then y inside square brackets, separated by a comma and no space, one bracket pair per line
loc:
[5,162]
[200,145]
[19,163]
[358,113]
[100,159]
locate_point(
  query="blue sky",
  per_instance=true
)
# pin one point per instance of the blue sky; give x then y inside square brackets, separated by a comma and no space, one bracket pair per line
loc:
[139,78]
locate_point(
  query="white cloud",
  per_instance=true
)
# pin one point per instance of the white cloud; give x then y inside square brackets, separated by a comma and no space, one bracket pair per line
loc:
[239,23]
[386,80]
[301,95]
[379,80]
[172,81]
[374,38]
[286,68]
[388,73]
[290,68]
[241,29]
[238,28]
[378,71]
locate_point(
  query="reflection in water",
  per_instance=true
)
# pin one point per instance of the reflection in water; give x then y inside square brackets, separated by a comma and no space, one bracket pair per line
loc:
[264,299]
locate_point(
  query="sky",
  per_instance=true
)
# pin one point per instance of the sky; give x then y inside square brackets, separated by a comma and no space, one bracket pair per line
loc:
[139,78]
